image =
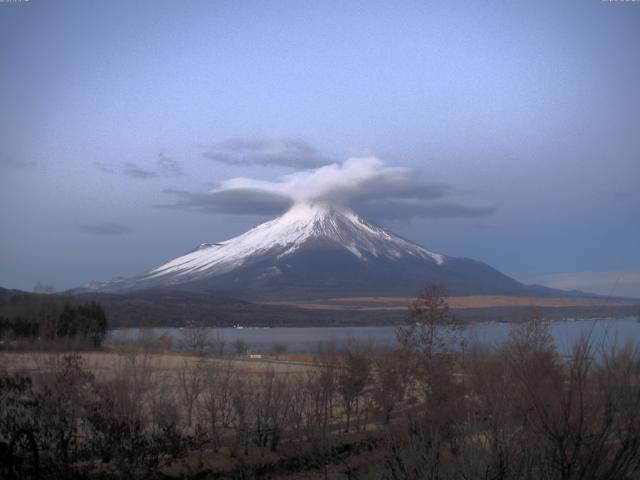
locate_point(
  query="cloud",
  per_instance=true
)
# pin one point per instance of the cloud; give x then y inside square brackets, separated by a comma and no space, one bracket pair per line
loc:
[134,171]
[107,228]
[404,208]
[103,168]
[169,167]
[485,226]
[12,162]
[621,283]
[234,201]
[166,166]
[282,151]
[621,195]
[367,185]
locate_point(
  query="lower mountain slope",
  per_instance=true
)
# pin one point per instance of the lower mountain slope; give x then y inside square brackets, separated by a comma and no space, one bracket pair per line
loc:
[316,251]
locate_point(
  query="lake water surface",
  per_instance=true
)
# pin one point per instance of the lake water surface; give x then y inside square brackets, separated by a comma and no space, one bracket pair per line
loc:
[309,339]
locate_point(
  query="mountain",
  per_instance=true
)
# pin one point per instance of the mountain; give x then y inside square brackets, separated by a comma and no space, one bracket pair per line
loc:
[319,251]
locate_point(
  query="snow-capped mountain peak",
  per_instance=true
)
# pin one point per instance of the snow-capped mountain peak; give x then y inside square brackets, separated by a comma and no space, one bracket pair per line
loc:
[316,250]
[302,224]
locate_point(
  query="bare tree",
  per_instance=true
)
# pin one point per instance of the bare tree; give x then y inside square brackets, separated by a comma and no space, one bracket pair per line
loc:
[240,347]
[353,376]
[279,349]
[429,324]
[61,402]
[191,381]
[390,381]
[271,402]
[217,405]
[196,339]
[241,404]
[218,345]
[300,405]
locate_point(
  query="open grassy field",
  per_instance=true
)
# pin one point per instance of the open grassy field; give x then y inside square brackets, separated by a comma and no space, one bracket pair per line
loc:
[166,365]
[467,302]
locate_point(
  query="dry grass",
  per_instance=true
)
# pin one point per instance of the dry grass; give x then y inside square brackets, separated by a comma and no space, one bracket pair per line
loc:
[479,301]
[166,365]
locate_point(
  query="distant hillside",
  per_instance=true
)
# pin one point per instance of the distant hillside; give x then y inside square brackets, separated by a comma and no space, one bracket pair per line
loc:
[163,308]
[177,308]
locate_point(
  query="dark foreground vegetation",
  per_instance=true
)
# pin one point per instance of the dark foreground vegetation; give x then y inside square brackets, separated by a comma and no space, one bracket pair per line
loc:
[82,324]
[434,408]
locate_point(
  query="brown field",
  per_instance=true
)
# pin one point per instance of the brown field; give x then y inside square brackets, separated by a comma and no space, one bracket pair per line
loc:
[466,302]
[108,364]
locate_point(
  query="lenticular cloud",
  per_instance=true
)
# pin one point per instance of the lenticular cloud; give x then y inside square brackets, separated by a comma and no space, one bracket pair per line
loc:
[367,185]
[337,184]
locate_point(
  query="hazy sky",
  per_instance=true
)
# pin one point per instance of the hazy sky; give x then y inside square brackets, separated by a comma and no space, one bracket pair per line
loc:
[516,126]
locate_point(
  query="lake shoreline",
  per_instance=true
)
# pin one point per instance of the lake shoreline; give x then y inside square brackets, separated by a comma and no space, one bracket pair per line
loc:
[311,338]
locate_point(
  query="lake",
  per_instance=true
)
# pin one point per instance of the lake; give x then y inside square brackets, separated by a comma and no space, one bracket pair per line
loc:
[309,339]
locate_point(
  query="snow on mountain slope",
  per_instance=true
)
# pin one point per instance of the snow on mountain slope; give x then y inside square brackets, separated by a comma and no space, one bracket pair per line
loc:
[318,251]
[285,235]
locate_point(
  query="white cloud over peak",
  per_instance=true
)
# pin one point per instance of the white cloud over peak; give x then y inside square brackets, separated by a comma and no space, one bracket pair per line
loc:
[366,184]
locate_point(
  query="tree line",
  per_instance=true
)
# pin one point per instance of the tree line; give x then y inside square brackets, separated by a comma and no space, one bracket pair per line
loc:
[87,322]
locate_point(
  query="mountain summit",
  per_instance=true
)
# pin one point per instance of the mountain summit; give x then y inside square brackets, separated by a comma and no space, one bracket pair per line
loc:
[315,250]
[303,226]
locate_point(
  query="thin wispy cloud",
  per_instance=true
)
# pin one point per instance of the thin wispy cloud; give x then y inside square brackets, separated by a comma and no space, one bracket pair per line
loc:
[398,208]
[621,282]
[240,202]
[7,161]
[485,226]
[135,171]
[366,185]
[166,166]
[169,166]
[622,195]
[103,167]
[280,151]
[106,228]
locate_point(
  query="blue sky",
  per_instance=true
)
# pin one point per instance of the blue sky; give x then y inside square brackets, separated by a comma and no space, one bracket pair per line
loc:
[526,110]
